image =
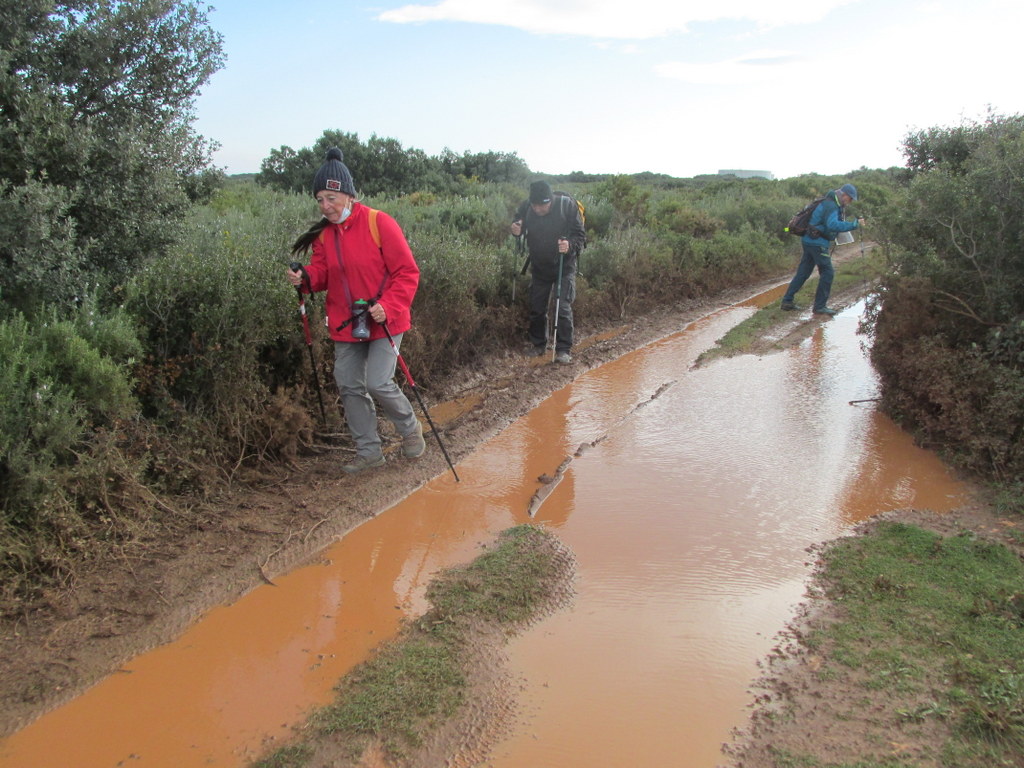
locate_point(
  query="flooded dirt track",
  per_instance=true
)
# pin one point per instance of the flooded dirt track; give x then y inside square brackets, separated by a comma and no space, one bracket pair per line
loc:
[690,523]
[688,496]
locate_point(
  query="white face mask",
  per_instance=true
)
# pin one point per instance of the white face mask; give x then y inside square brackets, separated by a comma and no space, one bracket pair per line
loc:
[328,203]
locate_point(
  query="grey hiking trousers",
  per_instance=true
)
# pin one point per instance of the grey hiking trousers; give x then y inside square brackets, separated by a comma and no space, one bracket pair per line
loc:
[365,372]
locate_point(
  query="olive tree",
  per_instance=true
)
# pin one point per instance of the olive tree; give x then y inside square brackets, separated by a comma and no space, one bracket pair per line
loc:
[379,167]
[97,155]
[959,225]
[382,167]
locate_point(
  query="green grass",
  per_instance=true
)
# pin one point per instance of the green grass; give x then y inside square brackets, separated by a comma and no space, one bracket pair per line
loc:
[395,696]
[418,681]
[288,757]
[936,622]
[786,759]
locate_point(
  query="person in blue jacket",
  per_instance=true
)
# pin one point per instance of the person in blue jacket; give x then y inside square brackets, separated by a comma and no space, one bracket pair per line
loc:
[826,222]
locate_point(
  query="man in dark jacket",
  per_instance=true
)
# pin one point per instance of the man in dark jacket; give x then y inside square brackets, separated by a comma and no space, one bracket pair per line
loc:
[555,236]
[826,222]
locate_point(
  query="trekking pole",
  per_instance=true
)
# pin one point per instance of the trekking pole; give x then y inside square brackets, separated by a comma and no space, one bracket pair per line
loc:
[296,267]
[515,277]
[558,301]
[416,391]
[520,249]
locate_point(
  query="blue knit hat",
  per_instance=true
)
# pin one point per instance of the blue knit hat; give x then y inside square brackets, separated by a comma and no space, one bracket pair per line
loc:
[850,190]
[333,175]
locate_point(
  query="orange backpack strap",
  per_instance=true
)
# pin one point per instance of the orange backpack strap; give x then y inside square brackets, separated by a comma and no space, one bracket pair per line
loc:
[374,231]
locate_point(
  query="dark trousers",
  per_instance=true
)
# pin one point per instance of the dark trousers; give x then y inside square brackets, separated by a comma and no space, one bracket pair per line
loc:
[542,291]
[813,256]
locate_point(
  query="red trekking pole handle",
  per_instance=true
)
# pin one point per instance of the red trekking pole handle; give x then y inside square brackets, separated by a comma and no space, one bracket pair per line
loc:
[296,267]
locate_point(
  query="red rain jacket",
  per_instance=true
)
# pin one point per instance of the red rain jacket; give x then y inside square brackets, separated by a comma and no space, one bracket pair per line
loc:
[388,274]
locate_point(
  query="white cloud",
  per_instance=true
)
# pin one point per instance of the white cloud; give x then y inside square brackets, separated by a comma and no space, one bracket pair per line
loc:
[643,19]
[755,67]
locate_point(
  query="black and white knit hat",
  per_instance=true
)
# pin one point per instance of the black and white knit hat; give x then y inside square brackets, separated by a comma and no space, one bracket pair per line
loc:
[333,175]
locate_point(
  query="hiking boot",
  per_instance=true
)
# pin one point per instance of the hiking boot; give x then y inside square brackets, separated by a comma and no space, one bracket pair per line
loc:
[413,444]
[359,463]
[789,306]
[826,311]
[563,357]
[534,350]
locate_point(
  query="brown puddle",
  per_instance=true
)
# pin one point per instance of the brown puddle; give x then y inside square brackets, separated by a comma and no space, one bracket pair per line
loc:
[689,514]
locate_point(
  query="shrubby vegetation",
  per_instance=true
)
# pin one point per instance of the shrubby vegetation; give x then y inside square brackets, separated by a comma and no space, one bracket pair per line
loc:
[209,348]
[98,166]
[949,323]
[152,348]
[98,159]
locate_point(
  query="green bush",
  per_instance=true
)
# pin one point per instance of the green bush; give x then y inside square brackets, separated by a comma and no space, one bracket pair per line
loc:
[957,400]
[43,264]
[222,330]
[630,266]
[462,309]
[955,224]
[947,324]
[98,157]
[731,258]
[41,422]
[675,215]
[55,388]
[61,400]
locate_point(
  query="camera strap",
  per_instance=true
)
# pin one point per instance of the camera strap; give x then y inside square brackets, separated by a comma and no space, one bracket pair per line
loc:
[344,284]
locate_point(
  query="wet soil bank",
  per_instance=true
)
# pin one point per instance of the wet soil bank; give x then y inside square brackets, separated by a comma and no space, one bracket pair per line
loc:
[831,719]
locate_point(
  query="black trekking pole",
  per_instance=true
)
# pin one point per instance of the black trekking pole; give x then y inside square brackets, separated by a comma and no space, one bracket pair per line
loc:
[296,267]
[526,265]
[416,391]
[520,249]
[558,301]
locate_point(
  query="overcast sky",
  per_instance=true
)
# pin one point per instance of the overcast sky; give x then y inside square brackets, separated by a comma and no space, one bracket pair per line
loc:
[668,86]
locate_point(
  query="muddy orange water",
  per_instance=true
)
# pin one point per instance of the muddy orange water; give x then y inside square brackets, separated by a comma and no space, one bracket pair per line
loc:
[689,516]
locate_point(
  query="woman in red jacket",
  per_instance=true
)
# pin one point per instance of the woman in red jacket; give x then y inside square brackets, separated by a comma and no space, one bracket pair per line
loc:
[361,258]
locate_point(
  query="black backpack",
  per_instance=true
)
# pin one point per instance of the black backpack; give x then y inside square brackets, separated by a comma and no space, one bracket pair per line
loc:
[565,203]
[801,221]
